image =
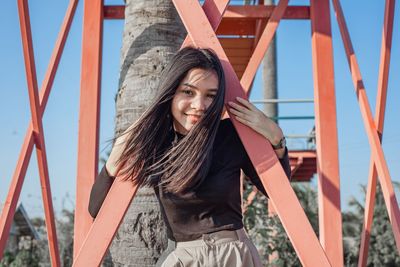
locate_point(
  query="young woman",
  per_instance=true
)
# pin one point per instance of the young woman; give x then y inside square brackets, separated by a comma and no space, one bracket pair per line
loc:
[192,159]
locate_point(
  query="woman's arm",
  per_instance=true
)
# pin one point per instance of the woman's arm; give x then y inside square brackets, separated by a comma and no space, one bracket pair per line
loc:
[99,191]
[116,152]
[106,176]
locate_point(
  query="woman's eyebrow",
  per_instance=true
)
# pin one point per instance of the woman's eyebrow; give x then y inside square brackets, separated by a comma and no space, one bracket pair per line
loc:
[194,87]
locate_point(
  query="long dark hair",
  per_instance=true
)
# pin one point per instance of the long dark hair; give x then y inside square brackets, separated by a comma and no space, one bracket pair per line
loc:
[147,160]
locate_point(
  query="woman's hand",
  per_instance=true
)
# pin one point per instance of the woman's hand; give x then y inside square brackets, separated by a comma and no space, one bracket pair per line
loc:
[116,152]
[250,115]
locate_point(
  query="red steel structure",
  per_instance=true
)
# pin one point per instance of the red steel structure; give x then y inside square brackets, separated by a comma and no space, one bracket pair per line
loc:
[34,134]
[240,57]
[379,120]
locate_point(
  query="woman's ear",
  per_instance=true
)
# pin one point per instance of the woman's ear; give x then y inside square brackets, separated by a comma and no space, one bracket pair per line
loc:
[224,109]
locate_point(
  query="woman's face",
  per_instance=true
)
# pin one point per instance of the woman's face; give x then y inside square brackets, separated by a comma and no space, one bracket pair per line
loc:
[192,98]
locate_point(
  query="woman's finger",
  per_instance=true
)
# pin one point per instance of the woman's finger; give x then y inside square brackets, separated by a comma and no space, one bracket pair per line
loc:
[251,122]
[244,121]
[246,103]
[241,114]
[240,108]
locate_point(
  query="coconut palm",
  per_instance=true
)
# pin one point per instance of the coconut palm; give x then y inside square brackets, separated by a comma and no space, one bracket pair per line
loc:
[153,32]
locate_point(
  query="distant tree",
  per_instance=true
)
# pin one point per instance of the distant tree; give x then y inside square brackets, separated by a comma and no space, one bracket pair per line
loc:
[65,233]
[7,259]
[27,254]
[382,247]
[42,247]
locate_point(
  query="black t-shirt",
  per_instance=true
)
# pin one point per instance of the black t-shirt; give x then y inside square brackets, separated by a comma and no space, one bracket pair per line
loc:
[216,204]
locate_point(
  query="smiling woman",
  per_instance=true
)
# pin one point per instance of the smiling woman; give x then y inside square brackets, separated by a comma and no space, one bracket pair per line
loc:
[192,159]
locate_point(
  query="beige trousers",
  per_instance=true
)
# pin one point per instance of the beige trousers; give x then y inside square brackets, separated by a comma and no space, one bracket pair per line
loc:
[219,249]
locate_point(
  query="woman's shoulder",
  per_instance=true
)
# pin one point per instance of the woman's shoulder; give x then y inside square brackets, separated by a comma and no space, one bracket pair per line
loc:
[226,124]
[226,129]
[228,141]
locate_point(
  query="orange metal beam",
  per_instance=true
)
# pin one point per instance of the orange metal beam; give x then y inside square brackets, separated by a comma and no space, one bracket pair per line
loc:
[249,12]
[89,116]
[38,135]
[264,159]
[370,127]
[302,153]
[27,147]
[330,217]
[379,122]
[214,11]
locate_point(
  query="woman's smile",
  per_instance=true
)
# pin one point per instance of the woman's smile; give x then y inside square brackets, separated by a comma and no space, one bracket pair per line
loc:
[193,118]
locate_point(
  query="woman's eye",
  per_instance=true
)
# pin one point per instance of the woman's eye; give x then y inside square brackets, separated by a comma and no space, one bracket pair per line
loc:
[211,96]
[187,92]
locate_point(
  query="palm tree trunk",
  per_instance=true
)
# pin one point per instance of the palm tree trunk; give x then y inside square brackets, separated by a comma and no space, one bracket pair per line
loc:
[269,69]
[153,32]
[270,91]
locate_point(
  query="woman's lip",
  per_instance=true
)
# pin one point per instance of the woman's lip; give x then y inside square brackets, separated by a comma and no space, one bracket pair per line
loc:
[194,115]
[193,118]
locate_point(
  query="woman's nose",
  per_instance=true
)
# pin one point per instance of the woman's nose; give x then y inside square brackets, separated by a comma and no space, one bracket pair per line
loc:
[199,103]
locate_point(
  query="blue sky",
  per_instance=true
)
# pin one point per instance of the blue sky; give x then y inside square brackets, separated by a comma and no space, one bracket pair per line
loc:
[60,120]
